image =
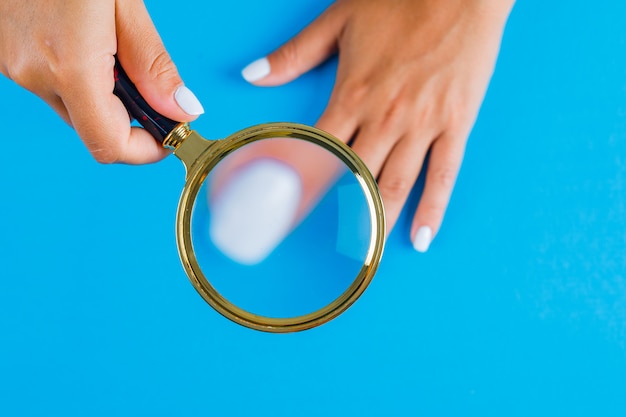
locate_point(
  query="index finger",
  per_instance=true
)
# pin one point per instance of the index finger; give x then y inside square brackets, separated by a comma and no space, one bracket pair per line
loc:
[102,121]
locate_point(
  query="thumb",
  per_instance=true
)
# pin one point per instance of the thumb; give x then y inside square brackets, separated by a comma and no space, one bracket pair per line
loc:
[144,58]
[302,53]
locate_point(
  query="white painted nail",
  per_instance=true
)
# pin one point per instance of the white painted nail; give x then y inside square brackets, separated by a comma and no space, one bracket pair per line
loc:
[188,101]
[255,210]
[422,240]
[257,70]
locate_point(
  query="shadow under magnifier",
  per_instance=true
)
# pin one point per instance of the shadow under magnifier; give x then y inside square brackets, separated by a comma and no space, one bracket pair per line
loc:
[281,227]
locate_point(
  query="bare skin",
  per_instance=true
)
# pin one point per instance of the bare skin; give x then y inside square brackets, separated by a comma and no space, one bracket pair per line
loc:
[411,77]
[63,51]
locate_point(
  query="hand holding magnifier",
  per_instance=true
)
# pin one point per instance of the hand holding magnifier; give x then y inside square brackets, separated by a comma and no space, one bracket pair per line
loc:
[328,256]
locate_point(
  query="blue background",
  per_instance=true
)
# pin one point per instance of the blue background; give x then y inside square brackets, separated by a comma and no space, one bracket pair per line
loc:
[519,308]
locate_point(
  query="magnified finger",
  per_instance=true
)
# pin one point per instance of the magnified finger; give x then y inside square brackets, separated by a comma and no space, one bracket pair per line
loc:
[311,166]
[242,233]
[262,191]
[314,166]
[443,166]
[295,174]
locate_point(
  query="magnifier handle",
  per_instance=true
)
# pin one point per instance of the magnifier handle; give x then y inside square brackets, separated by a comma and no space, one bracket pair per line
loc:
[155,123]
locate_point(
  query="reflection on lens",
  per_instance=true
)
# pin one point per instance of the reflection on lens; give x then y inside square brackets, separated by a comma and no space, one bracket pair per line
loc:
[281,228]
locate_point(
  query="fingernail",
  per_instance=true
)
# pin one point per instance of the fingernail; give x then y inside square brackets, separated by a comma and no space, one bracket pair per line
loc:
[255,210]
[188,101]
[257,70]
[422,240]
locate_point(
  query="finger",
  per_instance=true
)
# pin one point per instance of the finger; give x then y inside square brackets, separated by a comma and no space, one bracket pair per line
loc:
[373,144]
[101,120]
[302,53]
[339,123]
[149,66]
[293,176]
[82,76]
[314,166]
[443,166]
[373,150]
[261,192]
[400,172]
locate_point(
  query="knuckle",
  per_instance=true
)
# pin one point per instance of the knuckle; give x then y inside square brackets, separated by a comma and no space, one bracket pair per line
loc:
[289,55]
[428,114]
[105,156]
[352,93]
[458,116]
[22,73]
[395,188]
[395,113]
[12,70]
[18,76]
[443,176]
[67,74]
[421,116]
[162,66]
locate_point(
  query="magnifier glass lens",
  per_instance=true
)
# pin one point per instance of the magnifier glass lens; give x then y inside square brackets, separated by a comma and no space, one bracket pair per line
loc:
[281,227]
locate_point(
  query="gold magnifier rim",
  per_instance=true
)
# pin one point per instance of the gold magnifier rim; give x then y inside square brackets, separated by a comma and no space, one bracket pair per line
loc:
[214,154]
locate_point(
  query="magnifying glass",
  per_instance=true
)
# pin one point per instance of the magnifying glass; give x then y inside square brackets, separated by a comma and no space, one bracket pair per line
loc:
[280,227]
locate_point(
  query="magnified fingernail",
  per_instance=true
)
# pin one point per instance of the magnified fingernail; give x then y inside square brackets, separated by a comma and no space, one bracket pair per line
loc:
[188,101]
[255,210]
[422,240]
[257,70]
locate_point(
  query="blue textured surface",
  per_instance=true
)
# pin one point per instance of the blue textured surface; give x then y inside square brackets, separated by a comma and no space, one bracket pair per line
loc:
[518,309]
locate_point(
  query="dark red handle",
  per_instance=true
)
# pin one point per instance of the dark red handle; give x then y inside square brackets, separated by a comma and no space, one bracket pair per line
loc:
[155,123]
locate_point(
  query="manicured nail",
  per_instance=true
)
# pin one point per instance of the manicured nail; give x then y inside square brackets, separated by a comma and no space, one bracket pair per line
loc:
[259,69]
[255,210]
[422,240]
[188,101]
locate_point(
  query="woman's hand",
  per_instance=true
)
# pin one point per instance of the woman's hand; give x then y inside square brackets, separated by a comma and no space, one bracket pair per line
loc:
[411,77]
[63,51]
